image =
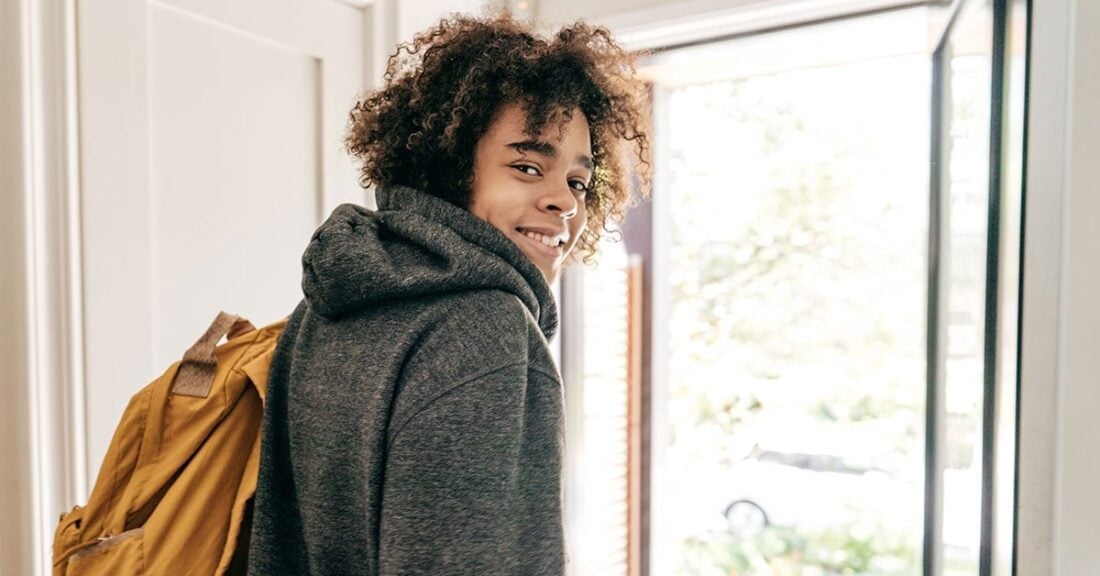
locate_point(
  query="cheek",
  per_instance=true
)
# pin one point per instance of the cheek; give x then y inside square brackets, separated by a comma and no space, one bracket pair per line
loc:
[495,214]
[577,226]
[581,219]
[482,202]
[475,208]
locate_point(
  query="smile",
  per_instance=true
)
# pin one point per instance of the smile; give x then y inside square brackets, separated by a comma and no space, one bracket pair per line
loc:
[542,243]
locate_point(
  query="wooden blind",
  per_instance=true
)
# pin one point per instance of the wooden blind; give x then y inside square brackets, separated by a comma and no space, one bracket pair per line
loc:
[610,499]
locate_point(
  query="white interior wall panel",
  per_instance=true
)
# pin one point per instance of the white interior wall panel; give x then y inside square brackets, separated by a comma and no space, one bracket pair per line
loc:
[235,168]
[211,147]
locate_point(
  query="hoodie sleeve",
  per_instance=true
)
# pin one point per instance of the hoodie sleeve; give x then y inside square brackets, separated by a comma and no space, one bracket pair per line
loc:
[473,480]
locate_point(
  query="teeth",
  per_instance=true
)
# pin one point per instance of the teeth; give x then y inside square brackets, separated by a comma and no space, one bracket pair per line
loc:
[541,238]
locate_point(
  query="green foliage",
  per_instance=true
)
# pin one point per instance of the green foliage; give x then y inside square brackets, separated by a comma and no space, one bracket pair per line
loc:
[852,550]
[802,285]
[797,299]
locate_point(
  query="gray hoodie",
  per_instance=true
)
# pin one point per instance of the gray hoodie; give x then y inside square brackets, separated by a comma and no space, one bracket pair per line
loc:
[414,416]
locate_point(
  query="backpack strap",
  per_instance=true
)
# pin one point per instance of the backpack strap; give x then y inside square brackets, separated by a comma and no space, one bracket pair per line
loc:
[197,369]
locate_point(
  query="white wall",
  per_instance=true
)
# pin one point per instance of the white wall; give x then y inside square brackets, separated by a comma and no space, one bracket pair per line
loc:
[396,21]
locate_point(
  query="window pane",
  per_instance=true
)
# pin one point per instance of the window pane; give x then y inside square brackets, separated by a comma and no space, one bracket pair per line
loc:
[966,193]
[797,269]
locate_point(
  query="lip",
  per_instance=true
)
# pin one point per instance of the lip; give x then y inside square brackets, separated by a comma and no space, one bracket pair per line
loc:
[539,247]
[559,233]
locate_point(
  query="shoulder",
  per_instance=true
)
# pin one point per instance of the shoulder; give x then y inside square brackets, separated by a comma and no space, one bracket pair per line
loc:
[487,301]
[473,338]
[465,334]
[481,322]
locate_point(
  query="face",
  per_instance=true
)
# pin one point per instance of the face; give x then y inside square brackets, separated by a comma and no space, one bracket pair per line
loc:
[533,188]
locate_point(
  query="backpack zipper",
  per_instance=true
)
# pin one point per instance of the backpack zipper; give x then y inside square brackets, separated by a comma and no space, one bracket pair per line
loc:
[100,543]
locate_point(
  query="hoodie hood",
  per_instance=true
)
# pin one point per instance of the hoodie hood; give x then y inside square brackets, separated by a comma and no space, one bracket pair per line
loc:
[415,245]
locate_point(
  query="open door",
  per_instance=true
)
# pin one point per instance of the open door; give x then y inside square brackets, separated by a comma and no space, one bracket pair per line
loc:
[974,235]
[835,336]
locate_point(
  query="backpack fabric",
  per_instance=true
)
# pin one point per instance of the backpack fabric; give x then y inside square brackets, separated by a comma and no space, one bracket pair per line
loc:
[174,493]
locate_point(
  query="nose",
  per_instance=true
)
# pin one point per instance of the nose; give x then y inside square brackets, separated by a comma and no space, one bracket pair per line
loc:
[560,199]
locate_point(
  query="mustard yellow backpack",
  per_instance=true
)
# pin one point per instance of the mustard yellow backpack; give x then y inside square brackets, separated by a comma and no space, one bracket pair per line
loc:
[174,492]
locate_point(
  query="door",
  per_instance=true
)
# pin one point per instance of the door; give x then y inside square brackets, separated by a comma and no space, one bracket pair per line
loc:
[976,198]
[210,147]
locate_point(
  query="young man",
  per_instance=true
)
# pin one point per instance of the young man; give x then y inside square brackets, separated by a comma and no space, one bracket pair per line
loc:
[414,417]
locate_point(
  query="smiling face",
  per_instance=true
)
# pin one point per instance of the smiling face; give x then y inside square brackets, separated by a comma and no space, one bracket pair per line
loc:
[533,189]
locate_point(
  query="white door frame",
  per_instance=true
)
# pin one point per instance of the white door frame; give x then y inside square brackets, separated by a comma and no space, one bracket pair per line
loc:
[42,310]
[1059,465]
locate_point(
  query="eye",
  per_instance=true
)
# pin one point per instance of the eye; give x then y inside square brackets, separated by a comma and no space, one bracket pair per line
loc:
[527,169]
[579,186]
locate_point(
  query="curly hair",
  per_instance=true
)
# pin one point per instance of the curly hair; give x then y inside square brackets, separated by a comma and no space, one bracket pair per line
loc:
[444,89]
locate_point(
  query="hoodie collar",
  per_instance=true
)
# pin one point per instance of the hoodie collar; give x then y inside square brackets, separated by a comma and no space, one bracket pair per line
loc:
[416,244]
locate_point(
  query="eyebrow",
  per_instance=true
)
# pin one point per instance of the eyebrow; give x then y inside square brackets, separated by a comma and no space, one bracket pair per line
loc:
[547,149]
